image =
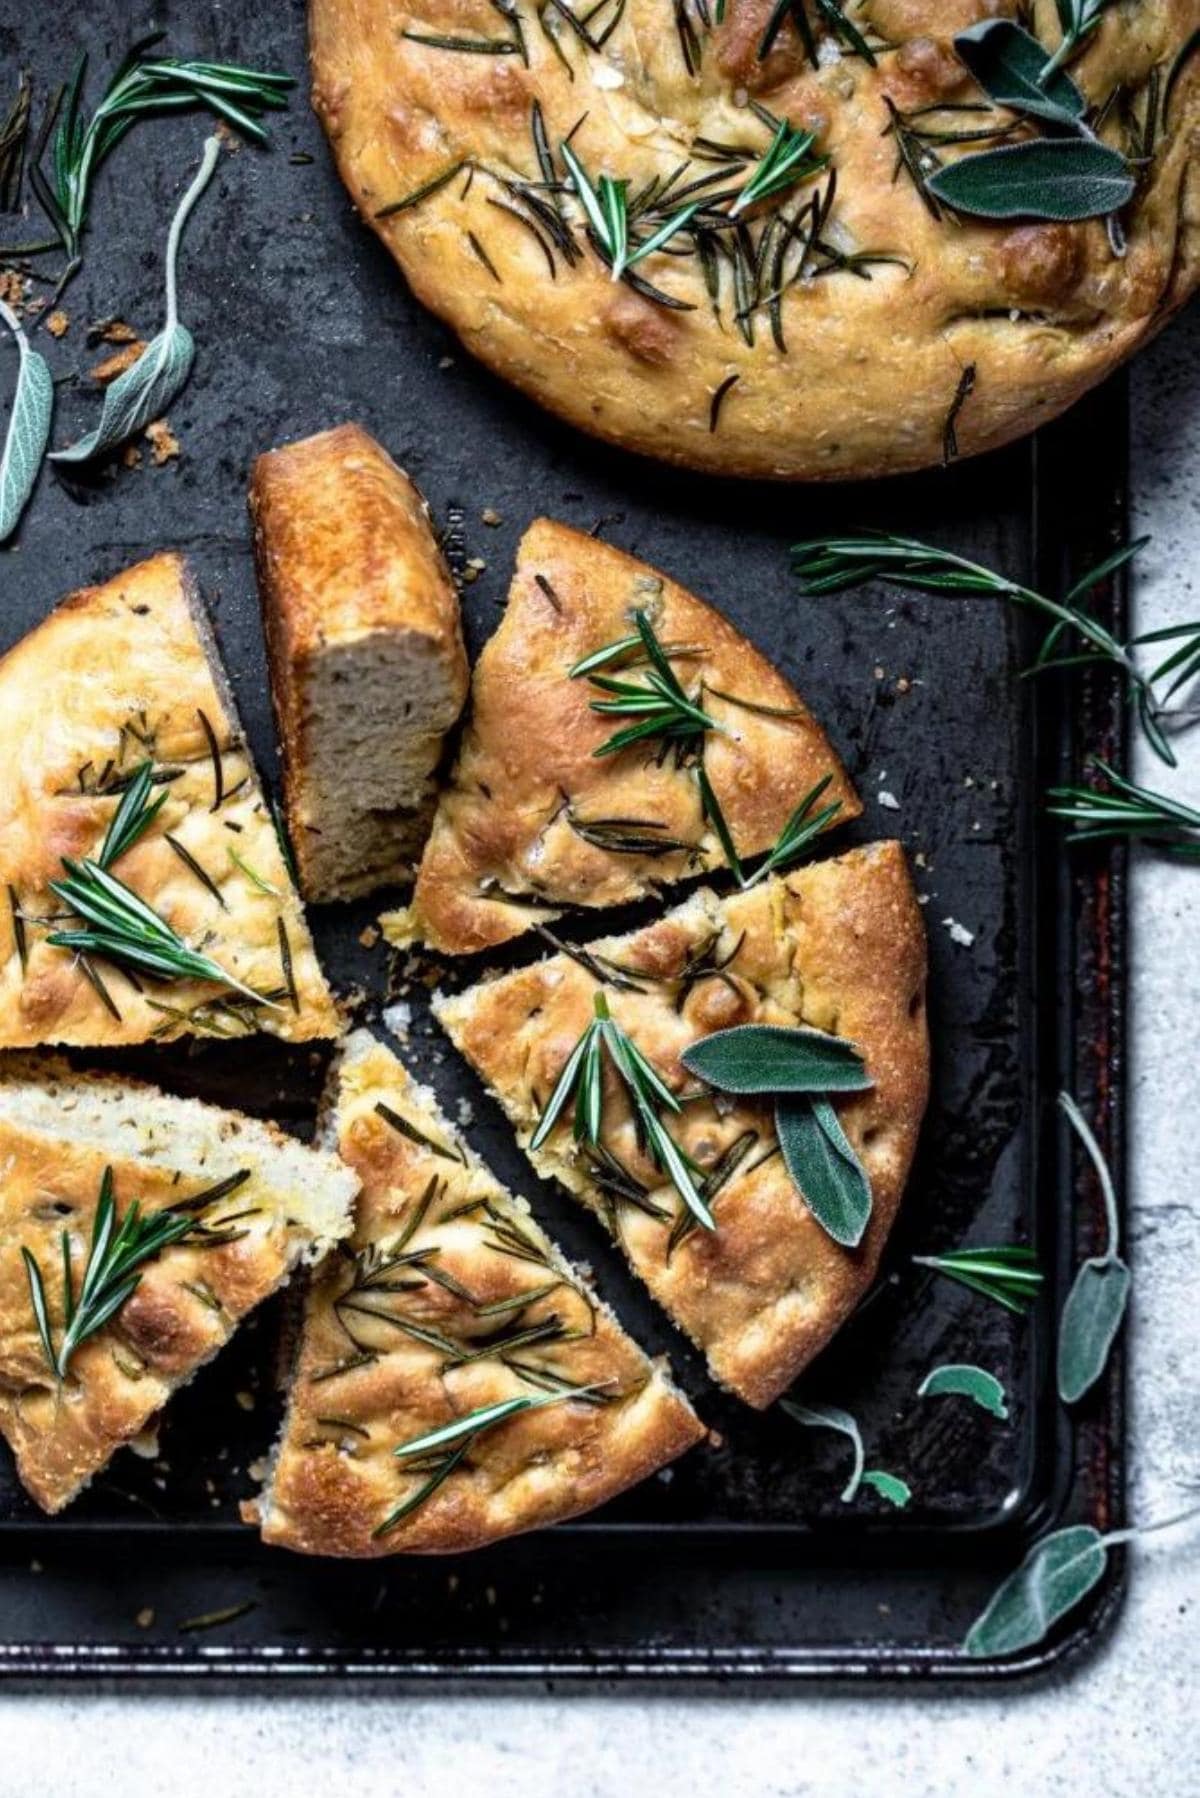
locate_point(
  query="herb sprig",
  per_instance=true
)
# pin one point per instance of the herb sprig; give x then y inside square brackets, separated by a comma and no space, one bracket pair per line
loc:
[439,1452]
[111,1274]
[1007,1274]
[829,1417]
[28,427]
[606,207]
[832,564]
[1099,1295]
[583,1078]
[142,87]
[1127,812]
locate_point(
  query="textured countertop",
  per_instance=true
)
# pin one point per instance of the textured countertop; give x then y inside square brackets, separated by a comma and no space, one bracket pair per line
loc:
[1124,1723]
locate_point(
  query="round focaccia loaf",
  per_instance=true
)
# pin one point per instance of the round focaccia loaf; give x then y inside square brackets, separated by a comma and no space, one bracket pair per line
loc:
[844,326]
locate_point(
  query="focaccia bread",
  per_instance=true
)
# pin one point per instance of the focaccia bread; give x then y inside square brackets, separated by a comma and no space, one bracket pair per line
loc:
[120,678]
[844,324]
[364,641]
[448,1299]
[838,946]
[531,811]
[259,1203]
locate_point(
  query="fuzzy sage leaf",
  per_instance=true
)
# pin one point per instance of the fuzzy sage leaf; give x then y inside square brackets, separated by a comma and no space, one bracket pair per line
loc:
[824,1167]
[1009,64]
[28,428]
[1062,179]
[1097,1301]
[1056,1574]
[890,1486]
[773,1058]
[144,392]
[964,1380]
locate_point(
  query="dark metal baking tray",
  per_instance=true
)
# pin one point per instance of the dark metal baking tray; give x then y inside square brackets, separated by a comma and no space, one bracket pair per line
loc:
[740,1562]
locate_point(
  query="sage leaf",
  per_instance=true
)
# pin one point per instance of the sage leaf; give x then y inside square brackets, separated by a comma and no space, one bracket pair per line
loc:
[771,1058]
[28,428]
[962,1379]
[828,1417]
[1099,1295]
[145,390]
[1046,178]
[1088,1328]
[824,1168]
[1055,1575]
[898,1492]
[1009,64]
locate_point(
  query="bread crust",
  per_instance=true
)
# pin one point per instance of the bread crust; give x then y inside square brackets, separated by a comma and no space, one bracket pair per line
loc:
[527,777]
[872,367]
[115,676]
[336,1478]
[346,553]
[190,1299]
[839,946]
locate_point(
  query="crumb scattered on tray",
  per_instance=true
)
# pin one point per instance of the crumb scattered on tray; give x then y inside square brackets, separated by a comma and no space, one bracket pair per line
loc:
[491,516]
[116,364]
[370,936]
[164,445]
[888,801]
[145,1617]
[58,323]
[959,932]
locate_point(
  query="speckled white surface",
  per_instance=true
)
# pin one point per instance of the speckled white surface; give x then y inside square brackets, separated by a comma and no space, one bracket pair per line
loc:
[1124,1725]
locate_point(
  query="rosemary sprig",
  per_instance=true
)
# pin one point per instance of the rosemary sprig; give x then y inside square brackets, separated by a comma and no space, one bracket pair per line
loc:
[606,207]
[786,161]
[1127,812]
[831,564]
[583,1077]
[13,135]
[110,1276]
[458,1438]
[659,703]
[1008,1275]
[142,87]
[124,929]
[133,816]
[801,828]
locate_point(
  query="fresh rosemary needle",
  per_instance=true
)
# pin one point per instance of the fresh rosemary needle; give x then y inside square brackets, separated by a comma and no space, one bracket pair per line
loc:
[1127,812]
[605,205]
[110,1277]
[1008,1275]
[583,1078]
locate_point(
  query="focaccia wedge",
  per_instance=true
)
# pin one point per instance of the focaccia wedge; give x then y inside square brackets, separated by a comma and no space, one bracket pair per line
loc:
[838,946]
[448,1300]
[533,820]
[122,683]
[255,1203]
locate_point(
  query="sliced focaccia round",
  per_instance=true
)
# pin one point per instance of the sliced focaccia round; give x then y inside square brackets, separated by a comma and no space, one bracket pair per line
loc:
[174,1218]
[143,890]
[457,1380]
[540,814]
[836,947]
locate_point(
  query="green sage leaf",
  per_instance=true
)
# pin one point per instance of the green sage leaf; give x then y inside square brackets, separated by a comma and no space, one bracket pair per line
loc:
[824,1167]
[1055,1575]
[964,1380]
[1009,63]
[28,428]
[770,1058]
[144,392]
[1090,1320]
[898,1492]
[1047,178]
[829,1417]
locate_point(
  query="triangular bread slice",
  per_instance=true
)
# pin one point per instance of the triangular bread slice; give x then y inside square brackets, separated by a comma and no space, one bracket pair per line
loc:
[116,677]
[838,946]
[449,1299]
[533,821]
[274,1203]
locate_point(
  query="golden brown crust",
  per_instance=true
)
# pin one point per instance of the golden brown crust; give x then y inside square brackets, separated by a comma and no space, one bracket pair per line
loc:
[336,1480]
[348,566]
[872,366]
[527,778]
[839,946]
[190,1299]
[115,676]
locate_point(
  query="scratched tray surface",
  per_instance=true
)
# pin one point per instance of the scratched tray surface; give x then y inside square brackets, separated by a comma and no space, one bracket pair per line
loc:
[301,322]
